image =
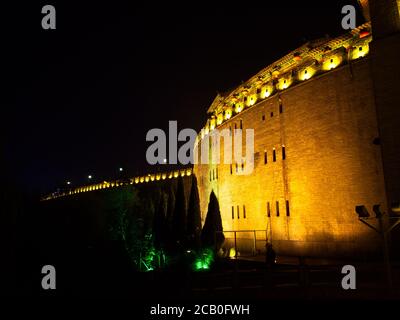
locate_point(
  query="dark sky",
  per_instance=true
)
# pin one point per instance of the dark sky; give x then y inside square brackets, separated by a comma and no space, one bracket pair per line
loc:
[80,99]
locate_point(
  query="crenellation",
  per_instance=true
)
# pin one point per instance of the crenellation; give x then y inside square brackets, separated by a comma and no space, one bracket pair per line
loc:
[299,65]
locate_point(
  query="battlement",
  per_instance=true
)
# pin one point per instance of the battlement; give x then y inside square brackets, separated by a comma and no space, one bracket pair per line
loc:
[311,59]
[151,177]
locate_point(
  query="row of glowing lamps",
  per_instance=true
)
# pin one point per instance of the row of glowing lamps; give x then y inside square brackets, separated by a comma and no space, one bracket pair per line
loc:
[136,180]
[284,83]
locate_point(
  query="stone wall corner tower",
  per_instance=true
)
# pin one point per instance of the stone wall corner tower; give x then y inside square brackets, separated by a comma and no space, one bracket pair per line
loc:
[385,68]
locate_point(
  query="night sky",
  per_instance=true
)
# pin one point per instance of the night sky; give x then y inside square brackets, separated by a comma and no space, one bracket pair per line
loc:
[80,99]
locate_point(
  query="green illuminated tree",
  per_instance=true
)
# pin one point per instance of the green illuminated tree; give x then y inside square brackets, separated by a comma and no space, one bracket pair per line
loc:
[211,235]
[130,218]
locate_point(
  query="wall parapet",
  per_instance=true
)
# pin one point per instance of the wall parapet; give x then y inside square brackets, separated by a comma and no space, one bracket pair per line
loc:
[311,59]
[151,177]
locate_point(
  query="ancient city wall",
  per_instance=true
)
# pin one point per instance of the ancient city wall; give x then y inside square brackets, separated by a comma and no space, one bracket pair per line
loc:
[327,127]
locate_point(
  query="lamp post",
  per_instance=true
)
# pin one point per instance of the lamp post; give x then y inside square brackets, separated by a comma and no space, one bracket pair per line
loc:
[382,230]
[120,173]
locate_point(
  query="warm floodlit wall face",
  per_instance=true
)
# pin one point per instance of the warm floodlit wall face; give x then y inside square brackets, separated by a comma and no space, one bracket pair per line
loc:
[310,149]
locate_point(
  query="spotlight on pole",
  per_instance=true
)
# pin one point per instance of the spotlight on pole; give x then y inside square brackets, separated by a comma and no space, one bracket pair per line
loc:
[121,169]
[89,177]
[362,212]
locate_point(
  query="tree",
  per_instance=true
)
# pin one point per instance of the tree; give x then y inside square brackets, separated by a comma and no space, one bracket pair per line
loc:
[130,218]
[179,216]
[160,224]
[193,217]
[209,235]
[121,202]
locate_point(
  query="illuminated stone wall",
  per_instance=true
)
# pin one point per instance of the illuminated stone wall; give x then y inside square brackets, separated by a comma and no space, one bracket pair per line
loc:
[327,125]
